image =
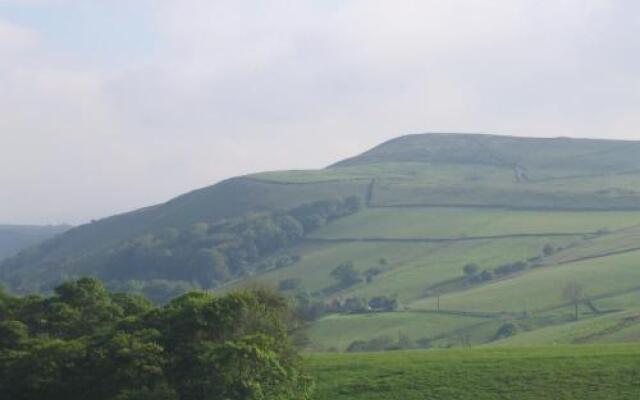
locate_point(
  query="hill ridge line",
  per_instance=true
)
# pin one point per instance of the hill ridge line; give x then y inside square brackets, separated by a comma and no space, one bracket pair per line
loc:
[274,182]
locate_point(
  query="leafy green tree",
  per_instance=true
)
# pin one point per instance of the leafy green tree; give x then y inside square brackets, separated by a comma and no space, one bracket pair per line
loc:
[486,275]
[132,304]
[372,272]
[81,308]
[13,334]
[506,330]
[198,347]
[355,305]
[346,274]
[470,269]
[383,303]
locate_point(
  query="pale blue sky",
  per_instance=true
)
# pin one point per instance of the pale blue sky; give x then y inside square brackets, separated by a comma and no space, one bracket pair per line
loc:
[98,32]
[111,105]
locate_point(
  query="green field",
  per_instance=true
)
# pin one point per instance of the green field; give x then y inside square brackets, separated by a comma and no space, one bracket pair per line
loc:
[338,331]
[604,265]
[440,222]
[615,327]
[411,267]
[626,239]
[541,288]
[610,372]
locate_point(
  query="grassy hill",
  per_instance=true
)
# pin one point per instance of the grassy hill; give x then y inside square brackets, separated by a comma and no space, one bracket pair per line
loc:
[556,372]
[14,238]
[621,326]
[532,216]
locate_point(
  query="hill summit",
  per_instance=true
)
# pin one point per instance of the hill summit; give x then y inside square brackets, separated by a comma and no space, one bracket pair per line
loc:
[217,234]
[561,153]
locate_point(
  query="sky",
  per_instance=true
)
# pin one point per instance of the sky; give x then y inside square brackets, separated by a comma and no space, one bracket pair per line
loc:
[111,105]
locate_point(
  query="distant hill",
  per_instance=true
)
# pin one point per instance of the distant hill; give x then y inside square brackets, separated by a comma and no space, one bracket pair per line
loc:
[14,238]
[553,156]
[392,230]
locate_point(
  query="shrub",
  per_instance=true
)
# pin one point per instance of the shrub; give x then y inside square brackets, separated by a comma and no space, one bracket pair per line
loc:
[383,303]
[506,330]
[470,269]
[346,274]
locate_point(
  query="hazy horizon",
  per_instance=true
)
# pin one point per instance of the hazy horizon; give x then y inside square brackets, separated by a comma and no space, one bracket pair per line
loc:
[111,106]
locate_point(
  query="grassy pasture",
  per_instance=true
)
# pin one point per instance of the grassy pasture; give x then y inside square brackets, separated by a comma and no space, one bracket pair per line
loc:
[338,331]
[609,372]
[414,267]
[411,267]
[499,188]
[319,259]
[541,288]
[442,222]
[620,302]
[600,329]
[629,334]
[619,241]
[408,280]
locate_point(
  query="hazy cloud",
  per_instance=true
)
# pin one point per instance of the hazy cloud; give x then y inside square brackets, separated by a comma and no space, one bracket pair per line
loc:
[157,98]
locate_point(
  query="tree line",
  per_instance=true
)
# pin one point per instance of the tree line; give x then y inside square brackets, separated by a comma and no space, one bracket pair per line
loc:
[206,254]
[213,253]
[84,342]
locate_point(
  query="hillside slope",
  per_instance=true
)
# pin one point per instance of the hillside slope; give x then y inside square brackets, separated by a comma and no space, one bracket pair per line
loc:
[397,223]
[14,238]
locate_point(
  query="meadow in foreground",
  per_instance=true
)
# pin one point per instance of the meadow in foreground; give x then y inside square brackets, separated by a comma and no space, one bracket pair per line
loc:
[609,372]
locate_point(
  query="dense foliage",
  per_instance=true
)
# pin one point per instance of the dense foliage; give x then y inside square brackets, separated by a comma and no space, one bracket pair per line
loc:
[87,343]
[211,253]
[205,253]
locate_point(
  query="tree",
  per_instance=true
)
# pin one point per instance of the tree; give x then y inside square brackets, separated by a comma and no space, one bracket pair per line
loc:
[354,305]
[13,334]
[506,330]
[486,275]
[383,303]
[199,346]
[346,274]
[470,269]
[370,273]
[80,308]
[357,345]
[207,252]
[548,250]
[573,292]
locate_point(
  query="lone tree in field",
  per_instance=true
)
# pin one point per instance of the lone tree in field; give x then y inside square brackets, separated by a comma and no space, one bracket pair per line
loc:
[346,274]
[470,269]
[574,293]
